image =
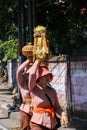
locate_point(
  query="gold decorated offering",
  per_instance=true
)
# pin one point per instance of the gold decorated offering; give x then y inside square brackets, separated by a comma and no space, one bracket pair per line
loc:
[40,31]
[28,51]
[40,48]
[41,44]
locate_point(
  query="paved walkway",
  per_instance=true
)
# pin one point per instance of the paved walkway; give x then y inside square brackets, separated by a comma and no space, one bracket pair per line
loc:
[8,120]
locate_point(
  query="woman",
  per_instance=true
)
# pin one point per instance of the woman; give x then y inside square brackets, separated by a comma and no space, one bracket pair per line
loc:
[25,108]
[43,117]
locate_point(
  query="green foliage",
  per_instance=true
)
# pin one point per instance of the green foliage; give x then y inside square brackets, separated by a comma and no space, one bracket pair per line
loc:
[9,49]
[66,24]
[1,71]
[8,19]
[66,28]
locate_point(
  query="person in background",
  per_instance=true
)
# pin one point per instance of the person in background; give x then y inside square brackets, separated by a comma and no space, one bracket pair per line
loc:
[25,107]
[43,117]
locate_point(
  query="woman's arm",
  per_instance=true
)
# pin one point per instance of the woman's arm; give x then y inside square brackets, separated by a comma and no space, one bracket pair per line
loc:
[32,75]
[58,108]
[20,69]
[63,115]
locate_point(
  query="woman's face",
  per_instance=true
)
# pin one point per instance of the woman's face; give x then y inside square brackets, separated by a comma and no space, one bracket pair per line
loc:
[45,79]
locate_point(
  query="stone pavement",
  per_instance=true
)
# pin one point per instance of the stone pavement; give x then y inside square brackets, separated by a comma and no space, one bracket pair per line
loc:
[12,122]
[8,118]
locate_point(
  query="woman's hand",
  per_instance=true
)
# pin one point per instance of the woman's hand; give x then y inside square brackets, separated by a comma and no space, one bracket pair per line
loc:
[64,119]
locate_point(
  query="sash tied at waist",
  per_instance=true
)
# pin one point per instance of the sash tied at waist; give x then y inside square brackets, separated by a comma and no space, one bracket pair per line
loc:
[27,100]
[48,110]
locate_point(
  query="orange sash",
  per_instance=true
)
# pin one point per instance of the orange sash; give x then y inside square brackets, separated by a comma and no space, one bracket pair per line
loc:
[48,110]
[27,100]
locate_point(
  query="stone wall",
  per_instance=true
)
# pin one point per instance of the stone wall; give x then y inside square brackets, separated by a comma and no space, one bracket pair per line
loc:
[70,83]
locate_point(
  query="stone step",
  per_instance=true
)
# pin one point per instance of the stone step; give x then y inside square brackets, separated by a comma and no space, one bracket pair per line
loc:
[9,113]
[10,124]
[9,120]
[6,92]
